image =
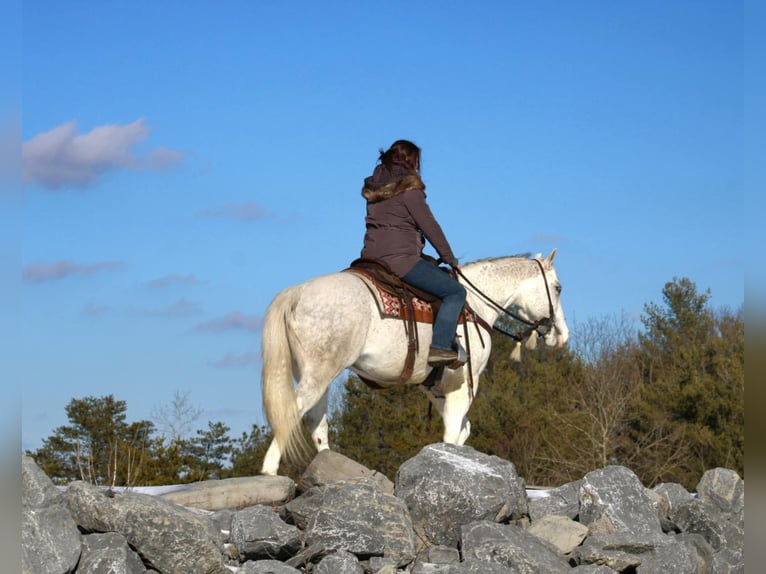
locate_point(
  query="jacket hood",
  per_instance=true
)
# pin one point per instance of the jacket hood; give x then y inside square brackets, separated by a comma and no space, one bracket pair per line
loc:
[383,184]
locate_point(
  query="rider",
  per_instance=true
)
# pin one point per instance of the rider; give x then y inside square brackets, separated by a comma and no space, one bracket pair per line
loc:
[398,219]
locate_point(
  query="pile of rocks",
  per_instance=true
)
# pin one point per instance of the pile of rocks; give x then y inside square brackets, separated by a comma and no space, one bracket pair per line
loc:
[452,510]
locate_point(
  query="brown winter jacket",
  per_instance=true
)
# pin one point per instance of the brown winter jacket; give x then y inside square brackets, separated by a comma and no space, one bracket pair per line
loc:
[397,219]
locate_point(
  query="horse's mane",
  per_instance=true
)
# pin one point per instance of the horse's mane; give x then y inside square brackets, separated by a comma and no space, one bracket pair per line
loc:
[526,255]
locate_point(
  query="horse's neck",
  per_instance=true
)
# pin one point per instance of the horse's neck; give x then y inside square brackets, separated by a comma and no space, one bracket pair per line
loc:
[498,279]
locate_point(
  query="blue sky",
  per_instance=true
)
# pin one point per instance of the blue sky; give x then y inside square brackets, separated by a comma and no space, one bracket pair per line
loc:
[184,162]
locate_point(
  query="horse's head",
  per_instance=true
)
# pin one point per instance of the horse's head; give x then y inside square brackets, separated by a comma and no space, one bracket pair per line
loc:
[553,325]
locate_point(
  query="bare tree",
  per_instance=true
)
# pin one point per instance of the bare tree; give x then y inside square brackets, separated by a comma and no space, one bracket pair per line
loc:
[176,419]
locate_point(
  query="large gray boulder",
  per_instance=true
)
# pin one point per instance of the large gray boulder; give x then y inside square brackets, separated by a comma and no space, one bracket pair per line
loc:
[329,465]
[339,562]
[563,533]
[233,493]
[259,533]
[172,539]
[613,500]
[510,546]
[708,521]
[108,553]
[674,495]
[470,566]
[50,540]
[622,552]
[564,500]
[267,567]
[724,489]
[446,486]
[354,515]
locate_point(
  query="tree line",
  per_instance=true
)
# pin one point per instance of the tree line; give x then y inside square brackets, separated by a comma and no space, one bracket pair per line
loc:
[665,399]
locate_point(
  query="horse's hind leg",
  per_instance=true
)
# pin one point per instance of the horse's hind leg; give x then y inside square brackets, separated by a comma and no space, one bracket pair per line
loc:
[316,420]
[270,465]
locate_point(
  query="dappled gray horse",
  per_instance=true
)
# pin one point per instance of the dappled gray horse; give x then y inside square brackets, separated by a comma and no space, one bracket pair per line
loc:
[314,331]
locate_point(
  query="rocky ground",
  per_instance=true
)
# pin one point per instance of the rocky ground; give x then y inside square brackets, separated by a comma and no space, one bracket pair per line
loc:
[451,510]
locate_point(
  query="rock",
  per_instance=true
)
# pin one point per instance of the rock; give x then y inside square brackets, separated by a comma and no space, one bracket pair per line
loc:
[233,493]
[329,465]
[706,520]
[684,554]
[108,552]
[259,533]
[564,500]
[510,546]
[613,500]
[592,569]
[618,551]
[443,555]
[562,532]
[267,567]
[50,540]
[674,494]
[724,489]
[470,566]
[446,486]
[354,515]
[659,555]
[170,538]
[339,562]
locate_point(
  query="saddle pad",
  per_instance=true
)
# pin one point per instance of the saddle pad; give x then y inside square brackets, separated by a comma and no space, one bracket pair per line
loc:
[394,307]
[390,305]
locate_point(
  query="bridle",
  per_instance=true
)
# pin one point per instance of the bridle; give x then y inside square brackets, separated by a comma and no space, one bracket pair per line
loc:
[541,326]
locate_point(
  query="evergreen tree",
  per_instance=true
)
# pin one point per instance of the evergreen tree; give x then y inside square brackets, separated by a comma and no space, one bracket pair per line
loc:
[97,446]
[207,454]
[689,415]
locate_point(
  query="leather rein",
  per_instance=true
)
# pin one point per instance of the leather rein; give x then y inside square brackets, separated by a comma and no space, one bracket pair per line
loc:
[542,326]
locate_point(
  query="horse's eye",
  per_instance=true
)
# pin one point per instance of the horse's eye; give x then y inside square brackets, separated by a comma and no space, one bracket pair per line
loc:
[558,288]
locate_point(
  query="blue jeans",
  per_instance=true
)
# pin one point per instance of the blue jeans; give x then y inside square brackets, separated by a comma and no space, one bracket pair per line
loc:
[433,280]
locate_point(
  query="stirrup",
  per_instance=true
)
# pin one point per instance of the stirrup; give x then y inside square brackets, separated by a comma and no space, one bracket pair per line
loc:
[462,357]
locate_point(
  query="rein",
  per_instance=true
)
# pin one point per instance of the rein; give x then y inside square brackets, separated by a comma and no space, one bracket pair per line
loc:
[542,326]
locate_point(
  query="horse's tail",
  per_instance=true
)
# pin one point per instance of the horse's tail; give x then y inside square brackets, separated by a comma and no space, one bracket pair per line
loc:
[279,400]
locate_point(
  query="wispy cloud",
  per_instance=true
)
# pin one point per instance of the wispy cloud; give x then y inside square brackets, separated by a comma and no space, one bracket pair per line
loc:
[181,308]
[42,272]
[245,210]
[62,157]
[232,322]
[172,279]
[92,309]
[238,361]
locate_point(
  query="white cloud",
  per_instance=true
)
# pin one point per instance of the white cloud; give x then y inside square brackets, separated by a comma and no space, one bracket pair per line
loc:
[62,157]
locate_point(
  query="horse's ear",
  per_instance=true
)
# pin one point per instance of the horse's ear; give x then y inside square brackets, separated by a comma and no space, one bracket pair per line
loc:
[551,256]
[538,256]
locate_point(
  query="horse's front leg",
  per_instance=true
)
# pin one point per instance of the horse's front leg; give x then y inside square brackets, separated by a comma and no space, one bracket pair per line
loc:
[453,407]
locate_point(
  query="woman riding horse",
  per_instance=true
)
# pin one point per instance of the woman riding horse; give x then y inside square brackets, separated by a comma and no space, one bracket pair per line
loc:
[398,218]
